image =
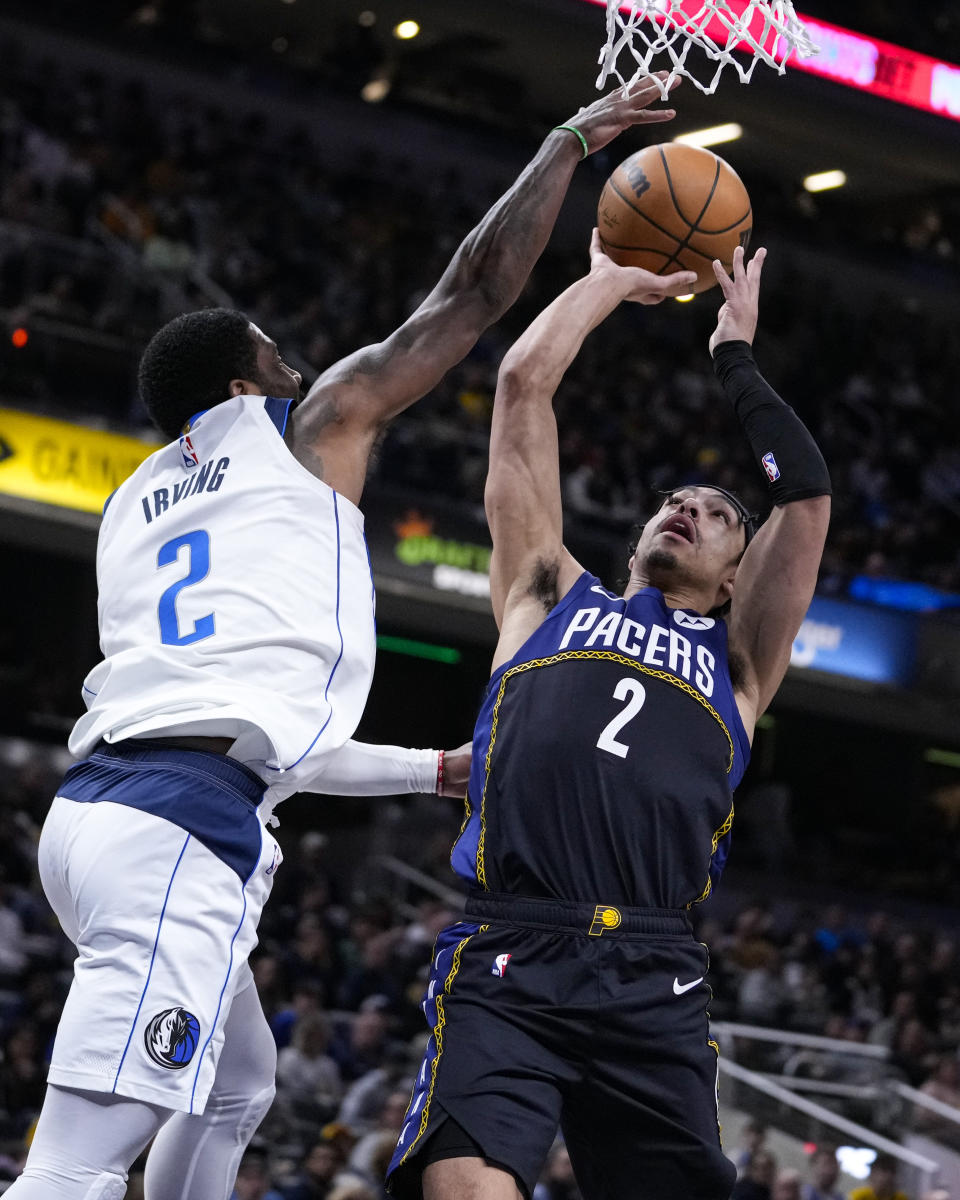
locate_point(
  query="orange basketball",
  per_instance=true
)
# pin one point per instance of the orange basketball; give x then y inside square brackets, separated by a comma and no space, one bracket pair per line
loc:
[674,208]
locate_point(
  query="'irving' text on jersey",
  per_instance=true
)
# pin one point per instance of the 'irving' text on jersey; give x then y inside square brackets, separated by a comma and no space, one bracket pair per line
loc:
[207,479]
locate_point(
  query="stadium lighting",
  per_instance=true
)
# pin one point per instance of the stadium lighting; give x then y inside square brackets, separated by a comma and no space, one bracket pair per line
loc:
[376,89]
[712,136]
[406,30]
[403,645]
[684,299]
[824,180]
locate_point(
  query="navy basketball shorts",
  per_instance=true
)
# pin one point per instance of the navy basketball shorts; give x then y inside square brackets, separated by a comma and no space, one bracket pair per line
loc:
[545,1013]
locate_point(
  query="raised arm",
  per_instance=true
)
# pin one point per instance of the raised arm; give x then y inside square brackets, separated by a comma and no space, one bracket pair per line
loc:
[776,578]
[529,569]
[336,425]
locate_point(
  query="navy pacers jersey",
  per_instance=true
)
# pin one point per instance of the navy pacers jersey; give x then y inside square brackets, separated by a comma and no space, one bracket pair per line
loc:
[605,757]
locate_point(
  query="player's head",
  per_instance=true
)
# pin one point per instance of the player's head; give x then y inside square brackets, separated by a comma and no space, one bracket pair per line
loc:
[202,358]
[695,542]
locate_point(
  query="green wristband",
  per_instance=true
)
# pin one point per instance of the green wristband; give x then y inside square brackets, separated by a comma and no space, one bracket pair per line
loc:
[576,133]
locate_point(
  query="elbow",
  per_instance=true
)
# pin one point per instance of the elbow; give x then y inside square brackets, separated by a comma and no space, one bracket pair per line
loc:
[522,376]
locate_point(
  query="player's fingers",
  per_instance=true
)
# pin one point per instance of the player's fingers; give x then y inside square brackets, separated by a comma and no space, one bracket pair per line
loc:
[653,116]
[739,271]
[596,246]
[722,277]
[679,283]
[651,87]
[755,267]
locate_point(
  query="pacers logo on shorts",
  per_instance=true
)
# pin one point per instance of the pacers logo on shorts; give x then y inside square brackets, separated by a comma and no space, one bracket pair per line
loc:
[171,1038]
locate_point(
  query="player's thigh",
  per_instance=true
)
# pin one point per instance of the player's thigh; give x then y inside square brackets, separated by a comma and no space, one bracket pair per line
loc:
[644,1122]
[468,1179]
[248,1061]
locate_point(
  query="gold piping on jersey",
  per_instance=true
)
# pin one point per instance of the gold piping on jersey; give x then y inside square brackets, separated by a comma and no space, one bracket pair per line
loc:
[716,1090]
[717,835]
[574,655]
[438,1036]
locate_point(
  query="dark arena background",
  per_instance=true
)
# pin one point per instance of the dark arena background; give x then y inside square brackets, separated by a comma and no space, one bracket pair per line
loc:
[315,162]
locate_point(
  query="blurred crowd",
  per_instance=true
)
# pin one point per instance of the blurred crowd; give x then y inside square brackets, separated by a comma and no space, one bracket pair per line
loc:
[119,208]
[342,966]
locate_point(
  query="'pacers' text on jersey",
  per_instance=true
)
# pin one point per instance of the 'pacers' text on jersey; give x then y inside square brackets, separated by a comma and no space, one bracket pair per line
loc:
[605,757]
[236,600]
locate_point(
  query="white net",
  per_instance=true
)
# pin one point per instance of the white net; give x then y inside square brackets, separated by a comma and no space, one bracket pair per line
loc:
[768,30]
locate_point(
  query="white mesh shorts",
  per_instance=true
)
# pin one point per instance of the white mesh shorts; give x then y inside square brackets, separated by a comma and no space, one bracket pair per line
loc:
[163,910]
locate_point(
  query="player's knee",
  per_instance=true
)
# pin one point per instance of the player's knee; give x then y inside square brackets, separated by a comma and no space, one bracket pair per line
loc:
[256,1110]
[107,1186]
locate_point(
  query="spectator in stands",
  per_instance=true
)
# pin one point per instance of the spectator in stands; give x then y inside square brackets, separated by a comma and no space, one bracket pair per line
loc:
[882,1184]
[753,1138]
[306,1000]
[358,1045]
[307,1075]
[253,1177]
[943,1085]
[757,1181]
[824,1173]
[22,1078]
[786,1186]
[317,1171]
[351,1189]
[388,1125]
[557,1181]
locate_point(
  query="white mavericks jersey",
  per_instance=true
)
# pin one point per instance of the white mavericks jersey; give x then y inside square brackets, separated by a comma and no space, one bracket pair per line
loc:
[235,599]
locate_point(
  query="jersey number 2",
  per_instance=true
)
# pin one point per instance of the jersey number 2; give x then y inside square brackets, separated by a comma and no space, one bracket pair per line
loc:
[198,557]
[636,693]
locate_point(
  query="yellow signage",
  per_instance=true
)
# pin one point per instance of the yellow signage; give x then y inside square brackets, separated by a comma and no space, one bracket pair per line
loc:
[59,463]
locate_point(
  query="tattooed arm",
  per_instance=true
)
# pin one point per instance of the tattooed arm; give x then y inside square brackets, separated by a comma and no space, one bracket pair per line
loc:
[335,427]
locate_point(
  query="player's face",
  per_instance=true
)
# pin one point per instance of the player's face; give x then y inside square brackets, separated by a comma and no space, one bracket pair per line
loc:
[273,374]
[696,539]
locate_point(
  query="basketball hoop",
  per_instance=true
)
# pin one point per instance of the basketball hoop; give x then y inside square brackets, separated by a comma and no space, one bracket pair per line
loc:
[768,30]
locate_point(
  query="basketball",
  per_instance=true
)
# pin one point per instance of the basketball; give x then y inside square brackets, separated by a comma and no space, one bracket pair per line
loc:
[674,208]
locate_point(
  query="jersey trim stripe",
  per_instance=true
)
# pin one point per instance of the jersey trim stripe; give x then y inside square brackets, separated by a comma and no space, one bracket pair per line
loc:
[333,671]
[717,835]
[243,892]
[579,655]
[156,942]
[278,411]
[438,1038]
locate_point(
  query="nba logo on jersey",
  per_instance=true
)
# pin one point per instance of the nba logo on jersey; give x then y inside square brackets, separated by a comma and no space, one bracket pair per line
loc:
[187,452]
[770,466]
[500,965]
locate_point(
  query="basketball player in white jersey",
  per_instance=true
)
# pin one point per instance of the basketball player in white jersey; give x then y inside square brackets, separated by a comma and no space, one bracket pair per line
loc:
[236,613]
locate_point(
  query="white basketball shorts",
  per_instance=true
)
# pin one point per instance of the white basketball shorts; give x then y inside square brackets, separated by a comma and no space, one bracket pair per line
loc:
[158,867]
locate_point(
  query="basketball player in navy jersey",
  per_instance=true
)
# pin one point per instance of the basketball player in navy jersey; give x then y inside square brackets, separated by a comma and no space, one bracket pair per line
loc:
[236,621]
[612,735]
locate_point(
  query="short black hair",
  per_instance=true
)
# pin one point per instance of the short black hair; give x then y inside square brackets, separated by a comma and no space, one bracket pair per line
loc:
[188,364]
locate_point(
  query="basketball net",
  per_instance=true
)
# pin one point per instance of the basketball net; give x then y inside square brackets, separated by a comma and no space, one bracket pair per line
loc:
[767,29]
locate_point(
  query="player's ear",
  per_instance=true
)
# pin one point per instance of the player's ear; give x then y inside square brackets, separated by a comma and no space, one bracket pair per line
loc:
[240,387]
[725,591]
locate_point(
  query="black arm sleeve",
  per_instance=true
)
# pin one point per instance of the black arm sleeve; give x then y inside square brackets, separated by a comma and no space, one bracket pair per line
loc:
[782,444]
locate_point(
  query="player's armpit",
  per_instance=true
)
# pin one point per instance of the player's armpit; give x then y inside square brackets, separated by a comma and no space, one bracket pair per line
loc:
[772,592]
[521,605]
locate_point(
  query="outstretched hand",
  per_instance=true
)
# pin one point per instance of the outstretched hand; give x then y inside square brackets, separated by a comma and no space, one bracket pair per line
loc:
[601,121]
[634,283]
[737,318]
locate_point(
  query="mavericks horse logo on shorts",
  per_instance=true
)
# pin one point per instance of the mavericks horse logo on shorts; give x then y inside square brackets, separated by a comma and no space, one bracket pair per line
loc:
[171,1038]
